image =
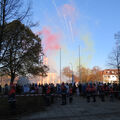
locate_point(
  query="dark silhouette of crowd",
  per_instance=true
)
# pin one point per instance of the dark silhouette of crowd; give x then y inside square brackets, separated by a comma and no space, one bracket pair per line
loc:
[90,91]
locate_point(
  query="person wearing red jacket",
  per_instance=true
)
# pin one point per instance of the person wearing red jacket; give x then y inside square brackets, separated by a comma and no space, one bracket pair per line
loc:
[63,92]
[88,93]
[93,91]
[70,94]
[12,98]
[48,90]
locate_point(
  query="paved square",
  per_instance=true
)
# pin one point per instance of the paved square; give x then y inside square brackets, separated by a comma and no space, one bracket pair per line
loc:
[79,110]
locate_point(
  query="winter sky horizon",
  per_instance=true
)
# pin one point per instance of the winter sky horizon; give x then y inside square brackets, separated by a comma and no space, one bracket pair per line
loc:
[68,24]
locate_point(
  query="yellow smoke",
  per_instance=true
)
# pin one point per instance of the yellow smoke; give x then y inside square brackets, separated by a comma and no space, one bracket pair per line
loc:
[88,49]
[86,52]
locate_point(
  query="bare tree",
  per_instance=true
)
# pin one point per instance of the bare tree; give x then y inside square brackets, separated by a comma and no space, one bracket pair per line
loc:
[10,10]
[114,57]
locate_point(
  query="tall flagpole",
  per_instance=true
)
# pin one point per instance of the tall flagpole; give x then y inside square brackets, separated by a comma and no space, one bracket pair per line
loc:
[79,66]
[60,65]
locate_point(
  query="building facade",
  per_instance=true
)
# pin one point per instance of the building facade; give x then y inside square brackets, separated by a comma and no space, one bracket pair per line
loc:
[52,75]
[110,75]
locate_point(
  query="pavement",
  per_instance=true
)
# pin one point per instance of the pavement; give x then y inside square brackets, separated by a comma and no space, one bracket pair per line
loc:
[79,110]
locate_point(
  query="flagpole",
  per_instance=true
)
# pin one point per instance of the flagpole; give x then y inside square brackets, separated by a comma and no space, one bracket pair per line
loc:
[72,72]
[79,66]
[60,65]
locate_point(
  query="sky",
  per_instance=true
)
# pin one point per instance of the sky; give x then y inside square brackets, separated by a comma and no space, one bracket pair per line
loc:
[70,24]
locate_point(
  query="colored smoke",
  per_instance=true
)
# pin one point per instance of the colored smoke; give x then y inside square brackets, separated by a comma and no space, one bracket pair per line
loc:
[51,41]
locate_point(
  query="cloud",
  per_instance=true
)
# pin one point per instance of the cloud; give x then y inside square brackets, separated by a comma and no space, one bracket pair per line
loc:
[51,41]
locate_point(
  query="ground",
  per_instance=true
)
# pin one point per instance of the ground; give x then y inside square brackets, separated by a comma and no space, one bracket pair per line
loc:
[24,105]
[79,110]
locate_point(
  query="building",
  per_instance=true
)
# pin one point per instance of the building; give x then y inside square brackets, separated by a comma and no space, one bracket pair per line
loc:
[52,75]
[110,75]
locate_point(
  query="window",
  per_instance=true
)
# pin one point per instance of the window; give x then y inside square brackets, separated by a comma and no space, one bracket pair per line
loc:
[112,71]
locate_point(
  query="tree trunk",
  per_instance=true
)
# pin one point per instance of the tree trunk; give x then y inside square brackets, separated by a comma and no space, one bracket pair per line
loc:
[12,78]
[119,79]
[2,22]
[119,74]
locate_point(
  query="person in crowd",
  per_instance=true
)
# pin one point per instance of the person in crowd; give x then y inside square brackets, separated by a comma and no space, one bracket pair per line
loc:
[48,95]
[102,92]
[40,89]
[6,89]
[12,98]
[18,89]
[58,89]
[32,89]
[77,91]
[111,93]
[119,91]
[88,92]
[93,92]
[58,92]
[63,92]
[70,94]
[106,90]
[52,92]
[36,88]
[44,90]
[26,89]
[0,89]
[84,89]
[80,88]
[67,89]
[74,88]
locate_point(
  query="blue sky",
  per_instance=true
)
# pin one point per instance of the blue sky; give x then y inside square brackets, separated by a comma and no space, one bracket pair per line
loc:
[88,23]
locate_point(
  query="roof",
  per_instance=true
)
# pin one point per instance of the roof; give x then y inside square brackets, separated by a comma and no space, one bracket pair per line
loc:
[110,72]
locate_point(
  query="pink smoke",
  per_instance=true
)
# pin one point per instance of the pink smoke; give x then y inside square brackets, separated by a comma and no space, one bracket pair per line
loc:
[68,9]
[50,40]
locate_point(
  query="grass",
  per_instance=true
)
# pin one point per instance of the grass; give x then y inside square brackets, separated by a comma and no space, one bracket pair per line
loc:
[24,105]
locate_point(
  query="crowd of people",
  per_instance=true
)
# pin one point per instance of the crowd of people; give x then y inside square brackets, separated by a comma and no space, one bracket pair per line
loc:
[64,90]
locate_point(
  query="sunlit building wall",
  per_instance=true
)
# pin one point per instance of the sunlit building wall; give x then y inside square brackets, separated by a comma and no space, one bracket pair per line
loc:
[52,76]
[110,75]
